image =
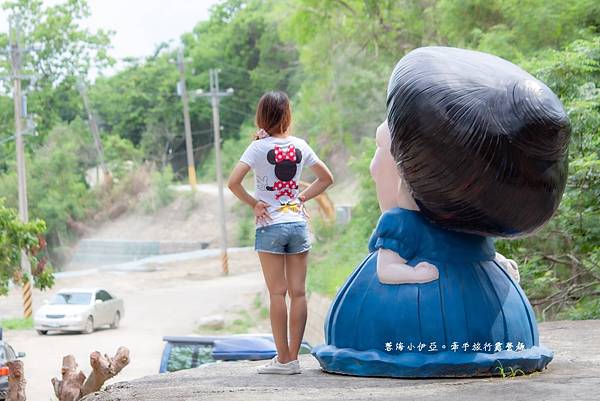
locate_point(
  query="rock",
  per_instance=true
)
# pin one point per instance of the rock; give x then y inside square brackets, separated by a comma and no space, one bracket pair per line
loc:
[214,322]
[574,374]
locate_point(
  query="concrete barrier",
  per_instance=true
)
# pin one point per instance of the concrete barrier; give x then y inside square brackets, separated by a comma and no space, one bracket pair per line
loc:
[94,252]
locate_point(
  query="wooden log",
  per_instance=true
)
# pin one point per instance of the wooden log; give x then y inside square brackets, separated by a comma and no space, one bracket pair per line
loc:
[16,381]
[104,368]
[69,388]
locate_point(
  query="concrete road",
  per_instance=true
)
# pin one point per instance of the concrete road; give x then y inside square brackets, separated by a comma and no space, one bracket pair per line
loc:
[164,302]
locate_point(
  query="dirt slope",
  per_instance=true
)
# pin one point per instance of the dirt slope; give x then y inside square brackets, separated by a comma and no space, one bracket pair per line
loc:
[184,219]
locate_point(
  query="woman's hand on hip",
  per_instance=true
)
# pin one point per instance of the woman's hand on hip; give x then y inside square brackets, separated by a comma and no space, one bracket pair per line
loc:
[261,212]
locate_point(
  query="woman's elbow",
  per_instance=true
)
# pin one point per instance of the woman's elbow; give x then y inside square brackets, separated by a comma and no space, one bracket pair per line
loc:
[231,184]
[330,180]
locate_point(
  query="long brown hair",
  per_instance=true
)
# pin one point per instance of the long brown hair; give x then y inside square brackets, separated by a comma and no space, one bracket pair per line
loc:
[273,113]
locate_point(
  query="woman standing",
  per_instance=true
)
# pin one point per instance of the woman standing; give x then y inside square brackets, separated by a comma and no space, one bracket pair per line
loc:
[282,242]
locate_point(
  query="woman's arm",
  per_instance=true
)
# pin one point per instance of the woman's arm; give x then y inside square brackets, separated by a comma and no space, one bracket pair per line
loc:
[318,186]
[235,185]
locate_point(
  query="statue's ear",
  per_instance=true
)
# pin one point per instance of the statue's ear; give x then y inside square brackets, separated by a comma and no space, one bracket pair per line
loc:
[271,156]
[298,156]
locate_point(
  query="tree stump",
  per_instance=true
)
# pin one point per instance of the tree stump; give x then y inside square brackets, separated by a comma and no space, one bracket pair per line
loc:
[16,381]
[69,388]
[104,368]
[74,385]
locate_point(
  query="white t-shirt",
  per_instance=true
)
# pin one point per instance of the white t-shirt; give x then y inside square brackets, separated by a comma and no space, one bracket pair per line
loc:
[277,165]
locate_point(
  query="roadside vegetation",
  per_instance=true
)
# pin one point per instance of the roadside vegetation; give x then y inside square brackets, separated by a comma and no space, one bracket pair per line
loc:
[17,324]
[241,321]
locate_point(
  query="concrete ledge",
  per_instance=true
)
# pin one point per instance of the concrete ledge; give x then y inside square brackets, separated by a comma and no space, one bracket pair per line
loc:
[573,375]
[97,252]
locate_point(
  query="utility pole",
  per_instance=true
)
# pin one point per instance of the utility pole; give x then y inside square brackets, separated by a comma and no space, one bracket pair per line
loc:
[215,97]
[186,120]
[15,59]
[94,128]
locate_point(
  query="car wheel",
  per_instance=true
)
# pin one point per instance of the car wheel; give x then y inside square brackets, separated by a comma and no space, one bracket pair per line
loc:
[89,326]
[116,321]
[42,332]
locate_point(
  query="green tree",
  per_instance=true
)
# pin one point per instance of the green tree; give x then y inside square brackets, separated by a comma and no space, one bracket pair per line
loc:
[561,268]
[57,191]
[347,51]
[134,101]
[15,237]
[242,39]
[62,51]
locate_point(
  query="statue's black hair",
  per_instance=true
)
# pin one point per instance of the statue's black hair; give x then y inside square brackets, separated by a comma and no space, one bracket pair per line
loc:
[481,143]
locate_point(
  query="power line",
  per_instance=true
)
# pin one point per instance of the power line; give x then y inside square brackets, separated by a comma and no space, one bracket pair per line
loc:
[223,65]
[171,155]
[245,115]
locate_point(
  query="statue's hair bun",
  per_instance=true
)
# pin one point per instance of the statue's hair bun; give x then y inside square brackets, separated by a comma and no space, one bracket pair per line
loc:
[481,143]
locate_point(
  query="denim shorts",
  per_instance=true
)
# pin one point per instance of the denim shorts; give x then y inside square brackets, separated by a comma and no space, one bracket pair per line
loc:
[283,238]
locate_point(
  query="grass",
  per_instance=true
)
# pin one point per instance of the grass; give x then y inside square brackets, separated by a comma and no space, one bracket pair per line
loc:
[17,324]
[191,203]
[508,373]
[161,193]
[244,321]
[241,325]
[245,224]
[263,310]
[337,251]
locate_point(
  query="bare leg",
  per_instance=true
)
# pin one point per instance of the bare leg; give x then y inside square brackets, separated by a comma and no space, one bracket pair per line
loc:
[274,273]
[392,269]
[295,272]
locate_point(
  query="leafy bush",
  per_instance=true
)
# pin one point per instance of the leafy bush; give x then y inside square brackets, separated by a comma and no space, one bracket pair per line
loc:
[161,193]
[561,264]
[231,151]
[16,237]
[56,187]
[121,155]
[339,249]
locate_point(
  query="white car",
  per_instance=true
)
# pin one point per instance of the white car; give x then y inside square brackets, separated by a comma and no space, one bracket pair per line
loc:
[80,310]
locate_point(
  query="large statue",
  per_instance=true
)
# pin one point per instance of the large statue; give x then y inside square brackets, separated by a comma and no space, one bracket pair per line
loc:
[473,147]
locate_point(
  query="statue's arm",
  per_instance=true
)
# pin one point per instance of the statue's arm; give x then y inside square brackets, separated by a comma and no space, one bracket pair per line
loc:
[509,265]
[392,269]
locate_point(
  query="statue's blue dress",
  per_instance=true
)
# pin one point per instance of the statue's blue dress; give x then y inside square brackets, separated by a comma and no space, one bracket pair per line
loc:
[473,321]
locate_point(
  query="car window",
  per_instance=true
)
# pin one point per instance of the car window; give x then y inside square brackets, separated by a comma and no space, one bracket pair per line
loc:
[105,296]
[72,298]
[187,356]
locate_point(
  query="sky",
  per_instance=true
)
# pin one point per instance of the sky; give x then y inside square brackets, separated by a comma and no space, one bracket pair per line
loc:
[139,24]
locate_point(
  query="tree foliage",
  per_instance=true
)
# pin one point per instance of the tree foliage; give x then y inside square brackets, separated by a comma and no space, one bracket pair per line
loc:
[15,237]
[60,51]
[561,264]
[141,104]
[348,49]
[334,59]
